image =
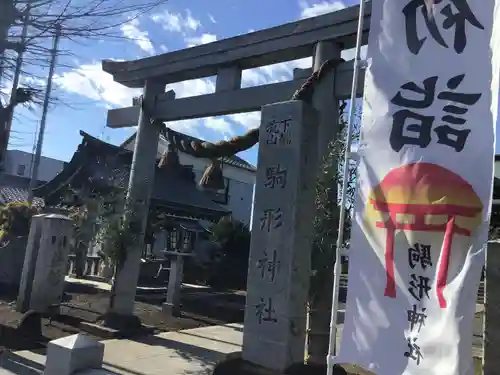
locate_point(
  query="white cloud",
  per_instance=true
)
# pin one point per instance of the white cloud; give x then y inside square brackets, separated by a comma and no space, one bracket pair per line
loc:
[92,82]
[163,48]
[89,80]
[176,22]
[202,39]
[191,127]
[317,9]
[273,73]
[248,120]
[141,38]
[192,87]
[220,125]
[309,9]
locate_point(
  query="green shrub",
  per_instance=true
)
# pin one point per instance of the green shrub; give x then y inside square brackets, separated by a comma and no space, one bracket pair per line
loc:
[15,220]
[229,265]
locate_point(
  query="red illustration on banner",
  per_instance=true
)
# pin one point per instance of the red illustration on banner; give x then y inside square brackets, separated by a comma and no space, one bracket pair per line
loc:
[423,191]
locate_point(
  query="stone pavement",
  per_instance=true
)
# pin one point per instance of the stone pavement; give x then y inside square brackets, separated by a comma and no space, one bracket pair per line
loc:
[188,352]
[194,351]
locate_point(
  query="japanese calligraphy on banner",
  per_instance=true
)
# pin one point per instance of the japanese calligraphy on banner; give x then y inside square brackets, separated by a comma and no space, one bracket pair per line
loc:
[424,186]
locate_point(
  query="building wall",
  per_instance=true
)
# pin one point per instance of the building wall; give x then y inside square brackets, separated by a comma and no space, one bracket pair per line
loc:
[19,163]
[239,197]
[241,182]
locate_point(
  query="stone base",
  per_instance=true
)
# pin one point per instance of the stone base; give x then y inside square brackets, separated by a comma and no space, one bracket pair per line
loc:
[113,325]
[30,325]
[100,330]
[171,310]
[120,322]
[240,367]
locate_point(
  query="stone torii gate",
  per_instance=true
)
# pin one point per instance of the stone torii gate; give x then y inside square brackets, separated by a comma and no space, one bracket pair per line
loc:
[321,37]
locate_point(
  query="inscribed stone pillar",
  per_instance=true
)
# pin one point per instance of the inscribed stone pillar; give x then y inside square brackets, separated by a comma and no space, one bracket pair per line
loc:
[491,332]
[45,263]
[142,175]
[29,264]
[280,252]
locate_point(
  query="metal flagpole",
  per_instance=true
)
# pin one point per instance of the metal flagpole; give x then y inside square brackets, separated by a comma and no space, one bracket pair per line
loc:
[340,235]
[38,153]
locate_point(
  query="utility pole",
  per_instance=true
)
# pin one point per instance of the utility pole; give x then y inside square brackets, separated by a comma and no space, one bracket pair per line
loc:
[17,74]
[38,153]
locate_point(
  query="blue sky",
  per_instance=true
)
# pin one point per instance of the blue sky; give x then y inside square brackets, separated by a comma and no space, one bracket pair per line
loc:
[85,92]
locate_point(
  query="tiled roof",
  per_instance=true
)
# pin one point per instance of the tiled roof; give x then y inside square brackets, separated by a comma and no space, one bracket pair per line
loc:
[234,161]
[102,167]
[15,189]
[18,195]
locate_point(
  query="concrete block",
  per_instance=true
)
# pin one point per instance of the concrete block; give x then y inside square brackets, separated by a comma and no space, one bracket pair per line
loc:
[74,353]
[46,259]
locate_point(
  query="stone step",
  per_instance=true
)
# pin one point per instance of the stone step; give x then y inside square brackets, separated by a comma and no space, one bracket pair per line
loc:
[24,362]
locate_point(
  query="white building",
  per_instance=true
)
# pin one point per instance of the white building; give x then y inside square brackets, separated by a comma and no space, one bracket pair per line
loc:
[239,176]
[19,163]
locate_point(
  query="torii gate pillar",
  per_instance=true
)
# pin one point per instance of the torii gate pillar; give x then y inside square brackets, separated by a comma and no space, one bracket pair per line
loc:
[142,174]
[324,99]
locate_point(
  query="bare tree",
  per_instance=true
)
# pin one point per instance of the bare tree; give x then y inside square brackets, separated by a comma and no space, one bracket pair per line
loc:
[82,21]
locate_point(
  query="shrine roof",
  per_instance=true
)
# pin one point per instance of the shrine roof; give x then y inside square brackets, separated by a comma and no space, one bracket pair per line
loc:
[98,167]
[234,160]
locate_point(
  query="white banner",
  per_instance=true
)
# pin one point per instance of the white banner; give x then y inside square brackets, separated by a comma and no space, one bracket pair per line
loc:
[424,186]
